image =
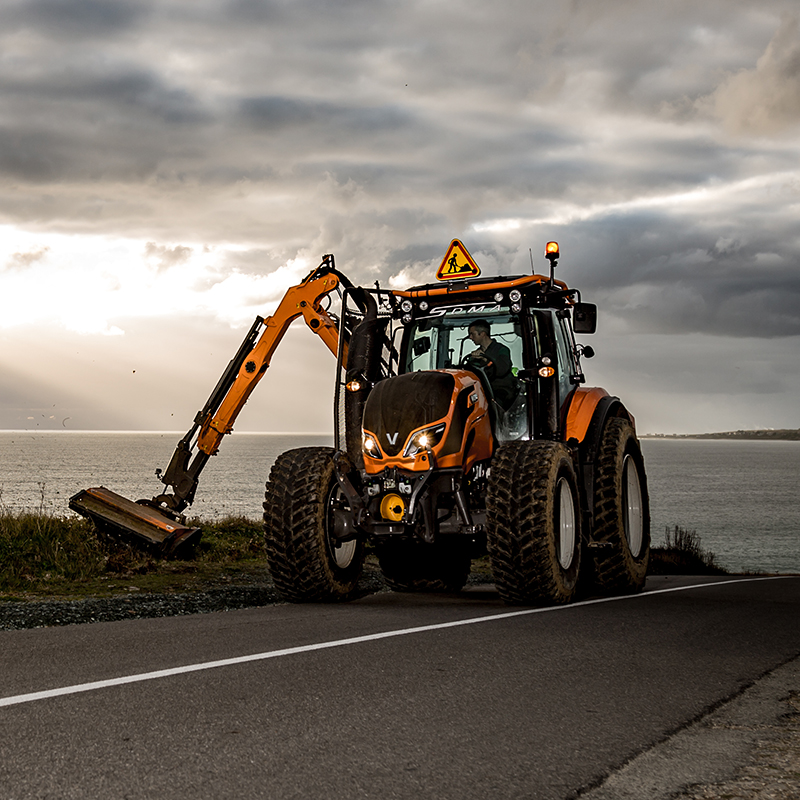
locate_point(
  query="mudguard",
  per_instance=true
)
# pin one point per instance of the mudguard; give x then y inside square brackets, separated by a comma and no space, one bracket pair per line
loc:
[588,412]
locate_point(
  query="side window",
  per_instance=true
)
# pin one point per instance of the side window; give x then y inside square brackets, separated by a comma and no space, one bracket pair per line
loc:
[423,349]
[566,360]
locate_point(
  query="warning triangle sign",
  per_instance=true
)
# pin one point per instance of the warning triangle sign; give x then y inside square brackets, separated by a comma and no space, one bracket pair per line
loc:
[457,263]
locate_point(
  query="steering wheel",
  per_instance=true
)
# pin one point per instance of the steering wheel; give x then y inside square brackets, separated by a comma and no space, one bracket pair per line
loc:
[473,360]
[477,363]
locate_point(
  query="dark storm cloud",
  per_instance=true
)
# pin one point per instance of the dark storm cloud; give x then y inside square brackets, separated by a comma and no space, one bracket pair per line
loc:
[329,121]
[75,18]
[384,129]
[81,123]
[678,275]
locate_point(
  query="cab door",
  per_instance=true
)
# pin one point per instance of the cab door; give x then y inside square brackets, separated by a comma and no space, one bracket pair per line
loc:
[550,349]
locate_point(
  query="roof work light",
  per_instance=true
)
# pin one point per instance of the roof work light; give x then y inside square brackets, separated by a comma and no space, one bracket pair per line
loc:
[551,254]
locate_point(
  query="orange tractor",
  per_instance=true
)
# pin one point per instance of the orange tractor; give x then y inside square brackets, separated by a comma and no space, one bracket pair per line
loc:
[443,450]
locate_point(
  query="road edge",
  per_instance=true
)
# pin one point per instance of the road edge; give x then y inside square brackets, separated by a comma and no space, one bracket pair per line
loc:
[716,748]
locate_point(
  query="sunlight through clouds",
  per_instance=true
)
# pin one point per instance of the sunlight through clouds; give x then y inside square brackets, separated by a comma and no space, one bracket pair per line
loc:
[86,284]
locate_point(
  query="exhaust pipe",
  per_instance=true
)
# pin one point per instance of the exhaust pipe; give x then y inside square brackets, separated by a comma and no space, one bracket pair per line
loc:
[140,523]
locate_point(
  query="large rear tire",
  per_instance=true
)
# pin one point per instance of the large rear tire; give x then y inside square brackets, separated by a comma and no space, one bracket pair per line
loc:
[533,522]
[306,561]
[621,511]
[414,566]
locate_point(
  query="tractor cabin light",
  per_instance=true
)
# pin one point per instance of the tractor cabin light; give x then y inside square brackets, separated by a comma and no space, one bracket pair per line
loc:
[422,440]
[354,385]
[498,298]
[515,295]
[406,319]
[551,251]
[406,306]
[423,306]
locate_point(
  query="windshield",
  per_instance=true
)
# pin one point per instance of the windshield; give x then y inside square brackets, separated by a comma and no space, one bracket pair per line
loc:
[443,342]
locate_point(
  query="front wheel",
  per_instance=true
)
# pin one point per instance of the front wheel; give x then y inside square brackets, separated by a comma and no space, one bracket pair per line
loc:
[533,521]
[621,511]
[303,508]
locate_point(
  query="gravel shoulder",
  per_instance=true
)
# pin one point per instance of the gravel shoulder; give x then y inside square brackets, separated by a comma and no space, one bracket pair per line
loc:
[36,613]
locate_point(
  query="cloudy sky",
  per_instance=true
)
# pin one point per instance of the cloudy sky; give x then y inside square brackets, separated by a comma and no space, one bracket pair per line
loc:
[169,167]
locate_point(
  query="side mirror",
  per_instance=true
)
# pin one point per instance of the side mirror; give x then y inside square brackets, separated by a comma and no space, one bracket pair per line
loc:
[421,346]
[584,318]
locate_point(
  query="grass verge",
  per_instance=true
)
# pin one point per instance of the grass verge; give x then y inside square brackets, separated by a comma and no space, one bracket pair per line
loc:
[63,557]
[44,556]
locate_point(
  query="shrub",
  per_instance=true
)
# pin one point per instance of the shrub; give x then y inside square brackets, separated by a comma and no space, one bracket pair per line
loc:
[682,554]
[36,549]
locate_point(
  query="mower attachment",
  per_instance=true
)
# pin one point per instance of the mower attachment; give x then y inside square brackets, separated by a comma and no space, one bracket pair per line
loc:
[141,523]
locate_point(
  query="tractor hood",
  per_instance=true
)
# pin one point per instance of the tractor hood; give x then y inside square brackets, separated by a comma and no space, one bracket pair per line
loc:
[397,406]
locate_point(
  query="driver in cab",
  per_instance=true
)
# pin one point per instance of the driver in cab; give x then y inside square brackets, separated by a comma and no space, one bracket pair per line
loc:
[495,360]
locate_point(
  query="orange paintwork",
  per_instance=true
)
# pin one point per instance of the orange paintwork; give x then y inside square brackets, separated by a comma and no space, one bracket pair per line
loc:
[477,421]
[448,291]
[581,411]
[302,300]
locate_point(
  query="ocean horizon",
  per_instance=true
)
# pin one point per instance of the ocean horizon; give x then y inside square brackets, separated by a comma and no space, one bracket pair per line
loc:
[738,496]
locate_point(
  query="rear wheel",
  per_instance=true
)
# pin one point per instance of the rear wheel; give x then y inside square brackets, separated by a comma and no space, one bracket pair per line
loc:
[621,511]
[414,566]
[533,521]
[303,509]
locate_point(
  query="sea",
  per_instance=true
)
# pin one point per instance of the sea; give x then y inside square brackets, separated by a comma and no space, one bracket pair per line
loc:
[739,497]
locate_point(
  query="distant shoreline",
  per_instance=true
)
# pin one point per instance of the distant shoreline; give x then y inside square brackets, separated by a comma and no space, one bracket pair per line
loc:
[784,435]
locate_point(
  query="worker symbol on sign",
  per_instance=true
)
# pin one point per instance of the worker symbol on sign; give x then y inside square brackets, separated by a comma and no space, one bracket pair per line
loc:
[457,263]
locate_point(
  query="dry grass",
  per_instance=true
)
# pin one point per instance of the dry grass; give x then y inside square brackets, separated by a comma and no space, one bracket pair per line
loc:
[682,554]
[42,554]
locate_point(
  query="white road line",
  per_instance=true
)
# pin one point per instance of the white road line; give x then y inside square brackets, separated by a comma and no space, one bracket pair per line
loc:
[371,637]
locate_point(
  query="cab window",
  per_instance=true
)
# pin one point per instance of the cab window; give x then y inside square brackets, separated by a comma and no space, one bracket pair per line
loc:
[566,360]
[442,342]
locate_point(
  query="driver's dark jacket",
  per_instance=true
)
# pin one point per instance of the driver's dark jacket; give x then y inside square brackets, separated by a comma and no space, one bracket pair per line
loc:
[498,370]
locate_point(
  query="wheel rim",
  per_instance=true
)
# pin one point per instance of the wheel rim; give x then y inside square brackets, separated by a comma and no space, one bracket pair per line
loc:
[566,524]
[634,516]
[342,553]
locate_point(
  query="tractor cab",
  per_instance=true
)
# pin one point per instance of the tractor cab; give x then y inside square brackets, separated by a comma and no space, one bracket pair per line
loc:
[441,341]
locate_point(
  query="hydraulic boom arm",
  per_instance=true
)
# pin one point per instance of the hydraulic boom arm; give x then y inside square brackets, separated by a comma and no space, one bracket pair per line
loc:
[243,373]
[158,522]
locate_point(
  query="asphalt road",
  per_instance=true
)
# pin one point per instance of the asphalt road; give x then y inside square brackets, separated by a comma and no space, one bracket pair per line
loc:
[391,696]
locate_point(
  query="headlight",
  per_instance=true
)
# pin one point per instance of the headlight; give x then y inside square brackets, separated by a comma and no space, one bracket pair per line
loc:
[515,295]
[423,306]
[406,306]
[421,440]
[371,446]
